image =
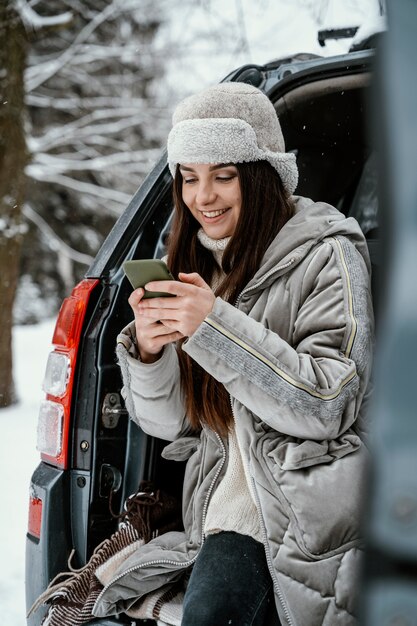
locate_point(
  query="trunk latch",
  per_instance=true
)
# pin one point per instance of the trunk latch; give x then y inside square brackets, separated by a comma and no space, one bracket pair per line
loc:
[112,410]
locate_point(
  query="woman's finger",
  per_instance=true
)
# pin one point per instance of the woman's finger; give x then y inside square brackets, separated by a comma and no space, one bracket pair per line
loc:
[156,343]
[171,324]
[135,297]
[157,314]
[159,330]
[160,303]
[172,336]
[172,287]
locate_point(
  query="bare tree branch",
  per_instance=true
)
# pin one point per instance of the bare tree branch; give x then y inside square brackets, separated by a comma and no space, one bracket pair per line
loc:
[57,243]
[58,164]
[36,76]
[82,130]
[118,198]
[33,20]
[244,41]
[77,103]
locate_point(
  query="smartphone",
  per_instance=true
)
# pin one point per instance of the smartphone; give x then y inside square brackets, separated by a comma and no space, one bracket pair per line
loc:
[142,271]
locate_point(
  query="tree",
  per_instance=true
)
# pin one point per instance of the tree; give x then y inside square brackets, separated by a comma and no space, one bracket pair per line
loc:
[13,159]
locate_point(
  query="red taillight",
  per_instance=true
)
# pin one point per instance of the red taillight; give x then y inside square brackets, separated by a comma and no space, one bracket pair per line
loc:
[35,517]
[71,315]
[55,411]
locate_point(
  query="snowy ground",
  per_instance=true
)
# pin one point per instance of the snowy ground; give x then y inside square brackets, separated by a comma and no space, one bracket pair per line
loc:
[18,459]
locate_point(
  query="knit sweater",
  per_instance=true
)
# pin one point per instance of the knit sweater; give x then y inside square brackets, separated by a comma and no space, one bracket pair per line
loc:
[232,506]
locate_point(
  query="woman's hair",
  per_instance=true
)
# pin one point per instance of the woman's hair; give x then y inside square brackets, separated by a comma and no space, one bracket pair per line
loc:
[264,211]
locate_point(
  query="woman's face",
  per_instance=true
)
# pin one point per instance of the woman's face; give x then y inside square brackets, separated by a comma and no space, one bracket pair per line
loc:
[212,193]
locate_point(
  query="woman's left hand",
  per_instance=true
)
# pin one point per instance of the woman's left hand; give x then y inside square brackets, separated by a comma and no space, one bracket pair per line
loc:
[194,301]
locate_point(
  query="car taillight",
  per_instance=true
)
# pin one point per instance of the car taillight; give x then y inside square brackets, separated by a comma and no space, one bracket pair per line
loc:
[55,410]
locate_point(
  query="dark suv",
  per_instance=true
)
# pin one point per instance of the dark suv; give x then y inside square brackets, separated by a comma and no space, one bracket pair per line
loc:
[89,447]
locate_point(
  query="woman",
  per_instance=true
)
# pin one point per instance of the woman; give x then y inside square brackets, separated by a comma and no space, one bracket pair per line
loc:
[256,372]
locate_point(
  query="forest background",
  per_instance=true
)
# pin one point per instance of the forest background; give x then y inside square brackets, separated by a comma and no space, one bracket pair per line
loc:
[87,89]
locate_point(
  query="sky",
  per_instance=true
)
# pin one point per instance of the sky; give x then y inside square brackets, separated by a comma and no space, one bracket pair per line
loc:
[267,29]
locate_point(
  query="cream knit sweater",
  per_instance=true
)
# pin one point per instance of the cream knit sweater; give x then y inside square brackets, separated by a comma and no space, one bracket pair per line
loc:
[232,506]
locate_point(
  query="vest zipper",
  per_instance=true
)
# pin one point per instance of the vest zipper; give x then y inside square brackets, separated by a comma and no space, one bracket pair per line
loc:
[213,482]
[168,561]
[269,559]
[265,539]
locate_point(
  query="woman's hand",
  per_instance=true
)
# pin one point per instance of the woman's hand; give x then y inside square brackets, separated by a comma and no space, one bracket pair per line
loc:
[151,335]
[181,315]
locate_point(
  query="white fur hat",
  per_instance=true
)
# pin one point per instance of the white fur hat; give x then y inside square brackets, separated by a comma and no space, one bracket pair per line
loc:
[230,123]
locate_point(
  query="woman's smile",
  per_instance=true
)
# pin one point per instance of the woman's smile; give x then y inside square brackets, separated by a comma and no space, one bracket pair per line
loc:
[211,215]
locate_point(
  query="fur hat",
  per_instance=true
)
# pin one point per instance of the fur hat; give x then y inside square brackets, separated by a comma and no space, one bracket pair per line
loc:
[230,123]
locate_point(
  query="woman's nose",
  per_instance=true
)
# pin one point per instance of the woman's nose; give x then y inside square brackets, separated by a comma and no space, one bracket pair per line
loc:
[205,193]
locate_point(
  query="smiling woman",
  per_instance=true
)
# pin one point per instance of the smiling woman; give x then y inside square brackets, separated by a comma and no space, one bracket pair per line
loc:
[256,373]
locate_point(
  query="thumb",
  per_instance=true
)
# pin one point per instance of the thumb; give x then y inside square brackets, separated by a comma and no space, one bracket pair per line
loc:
[193,279]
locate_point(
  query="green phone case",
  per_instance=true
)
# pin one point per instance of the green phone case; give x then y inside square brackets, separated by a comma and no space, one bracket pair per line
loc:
[142,271]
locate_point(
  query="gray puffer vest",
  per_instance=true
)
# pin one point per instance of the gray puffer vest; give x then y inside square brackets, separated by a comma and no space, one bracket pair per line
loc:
[295,356]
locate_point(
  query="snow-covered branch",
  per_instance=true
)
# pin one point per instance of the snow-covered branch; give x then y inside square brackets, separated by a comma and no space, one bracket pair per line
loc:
[37,75]
[76,131]
[54,241]
[73,102]
[116,197]
[58,164]
[33,20]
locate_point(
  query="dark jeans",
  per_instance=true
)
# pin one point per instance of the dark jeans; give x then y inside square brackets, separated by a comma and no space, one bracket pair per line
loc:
[230,584]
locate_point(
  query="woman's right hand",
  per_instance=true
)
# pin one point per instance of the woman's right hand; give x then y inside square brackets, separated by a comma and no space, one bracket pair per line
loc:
[151,335]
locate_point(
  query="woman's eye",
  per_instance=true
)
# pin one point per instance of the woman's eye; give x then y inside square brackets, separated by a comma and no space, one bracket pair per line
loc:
[188,181]
[224,178]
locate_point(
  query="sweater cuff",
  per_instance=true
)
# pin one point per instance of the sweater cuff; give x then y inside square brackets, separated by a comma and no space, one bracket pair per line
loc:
[160,368]
[127,348]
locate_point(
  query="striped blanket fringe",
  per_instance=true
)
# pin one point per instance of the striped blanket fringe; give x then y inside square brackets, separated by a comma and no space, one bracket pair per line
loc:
[72,595]
[72,600]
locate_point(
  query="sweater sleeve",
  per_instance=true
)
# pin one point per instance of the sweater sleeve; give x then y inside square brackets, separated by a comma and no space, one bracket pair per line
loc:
[152,391]
[309,387]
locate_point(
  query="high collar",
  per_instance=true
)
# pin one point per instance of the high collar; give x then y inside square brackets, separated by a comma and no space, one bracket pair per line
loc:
[212,244]
[217,246]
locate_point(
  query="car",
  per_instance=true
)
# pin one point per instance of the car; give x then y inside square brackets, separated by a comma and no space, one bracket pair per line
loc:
[90,450]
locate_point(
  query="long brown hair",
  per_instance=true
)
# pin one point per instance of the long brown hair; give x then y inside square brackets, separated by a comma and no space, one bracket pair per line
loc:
[264,211]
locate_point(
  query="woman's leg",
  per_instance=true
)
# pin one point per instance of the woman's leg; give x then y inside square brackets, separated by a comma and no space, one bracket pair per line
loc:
[230,584]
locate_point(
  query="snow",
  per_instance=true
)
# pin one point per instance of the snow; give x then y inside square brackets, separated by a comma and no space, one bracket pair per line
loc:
[18,459]
[365,31]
